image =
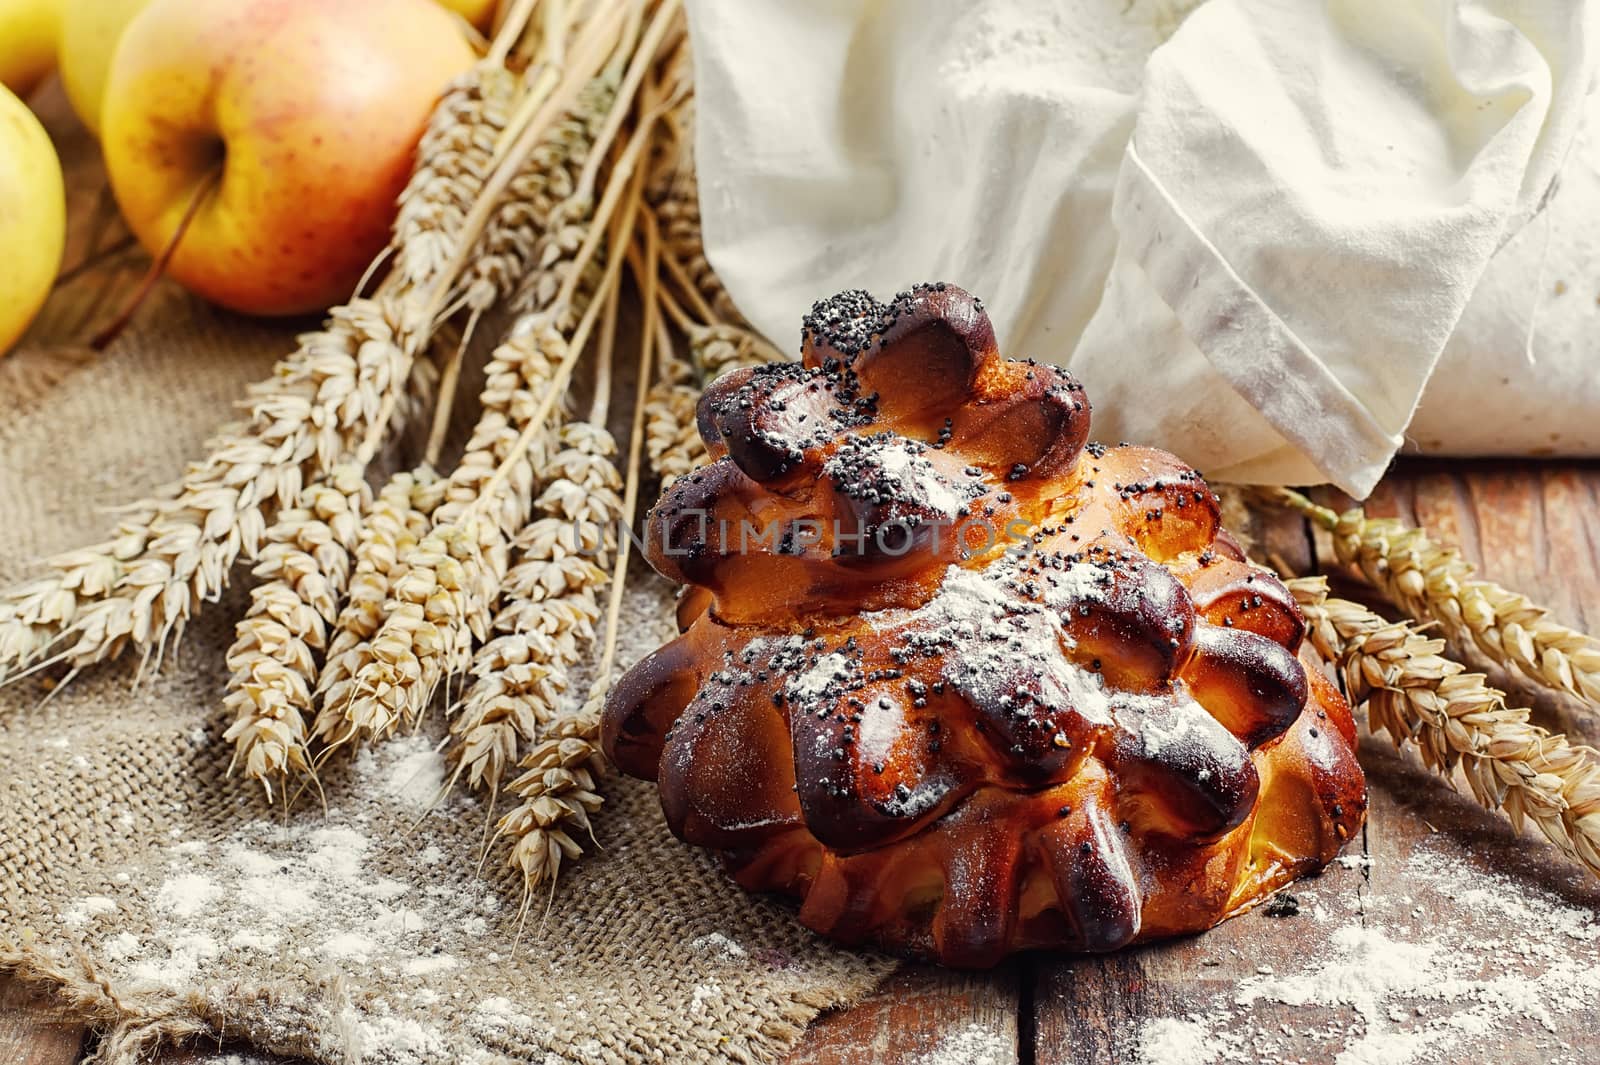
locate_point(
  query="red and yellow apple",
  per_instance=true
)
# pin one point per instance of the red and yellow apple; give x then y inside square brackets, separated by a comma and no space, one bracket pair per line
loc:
[28,34]
[33,217]
[288,126]
[90,30]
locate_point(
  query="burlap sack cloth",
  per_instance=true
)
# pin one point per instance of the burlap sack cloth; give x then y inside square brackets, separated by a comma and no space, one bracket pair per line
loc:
[166,900]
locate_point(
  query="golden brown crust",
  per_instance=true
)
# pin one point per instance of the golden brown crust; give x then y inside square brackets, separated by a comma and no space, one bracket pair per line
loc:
[961,682]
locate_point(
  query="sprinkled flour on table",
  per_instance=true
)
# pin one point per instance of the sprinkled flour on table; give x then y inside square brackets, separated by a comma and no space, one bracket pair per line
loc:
[1175,1041]
[972,1045]
[1398,982]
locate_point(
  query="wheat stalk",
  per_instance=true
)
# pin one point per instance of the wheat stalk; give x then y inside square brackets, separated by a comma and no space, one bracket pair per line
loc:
[519,676]
[275,660]
[444,602]
[554,93]
[460,144]
[1454,718]
[441,597]
[450,579]
[446,583]
[557,791]
[539,202]
[558,794]
[1430,580]
[719,339]
[396,521]
[673,441]
[558,786]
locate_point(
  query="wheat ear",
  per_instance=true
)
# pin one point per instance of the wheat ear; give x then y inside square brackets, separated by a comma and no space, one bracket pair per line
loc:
[673,442]
[520,676]
[557,788]
[304,573]
[439,597]
[453,158]
[395,523]
[539,202]
[450,580]
[1453,717]
[303,569]
[444,603]
[1430,580]
[719,338]
[399,650]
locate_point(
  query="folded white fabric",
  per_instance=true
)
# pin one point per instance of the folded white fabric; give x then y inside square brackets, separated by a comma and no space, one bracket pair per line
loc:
[1252,240]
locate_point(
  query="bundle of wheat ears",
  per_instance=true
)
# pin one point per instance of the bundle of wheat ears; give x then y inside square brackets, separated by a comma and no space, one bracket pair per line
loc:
[555,195]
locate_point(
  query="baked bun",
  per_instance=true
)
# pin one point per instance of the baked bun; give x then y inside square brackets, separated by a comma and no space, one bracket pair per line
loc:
[961,681]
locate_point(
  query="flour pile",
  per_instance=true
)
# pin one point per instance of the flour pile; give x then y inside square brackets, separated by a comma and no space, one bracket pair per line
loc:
[307,890]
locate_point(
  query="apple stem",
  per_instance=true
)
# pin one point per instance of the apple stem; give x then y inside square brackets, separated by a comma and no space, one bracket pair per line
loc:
[158,265]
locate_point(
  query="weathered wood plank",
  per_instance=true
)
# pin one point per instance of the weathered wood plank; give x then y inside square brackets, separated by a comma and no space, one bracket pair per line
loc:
[1418,822]
[1110,1010]
[33,1029]
[923,1014]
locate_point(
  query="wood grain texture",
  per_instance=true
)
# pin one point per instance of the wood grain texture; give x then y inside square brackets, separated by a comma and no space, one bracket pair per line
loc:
[33,1029]
[920,1014]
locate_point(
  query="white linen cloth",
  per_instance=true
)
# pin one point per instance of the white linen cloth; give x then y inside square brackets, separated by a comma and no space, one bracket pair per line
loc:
[1251,235]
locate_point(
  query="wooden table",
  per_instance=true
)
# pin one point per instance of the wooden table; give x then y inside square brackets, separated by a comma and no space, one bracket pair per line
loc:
[1534,526]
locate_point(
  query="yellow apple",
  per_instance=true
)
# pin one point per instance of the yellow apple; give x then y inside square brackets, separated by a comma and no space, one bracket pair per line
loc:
[478,12]
[289,126]
[28,31]
[33,217]
[90,30]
